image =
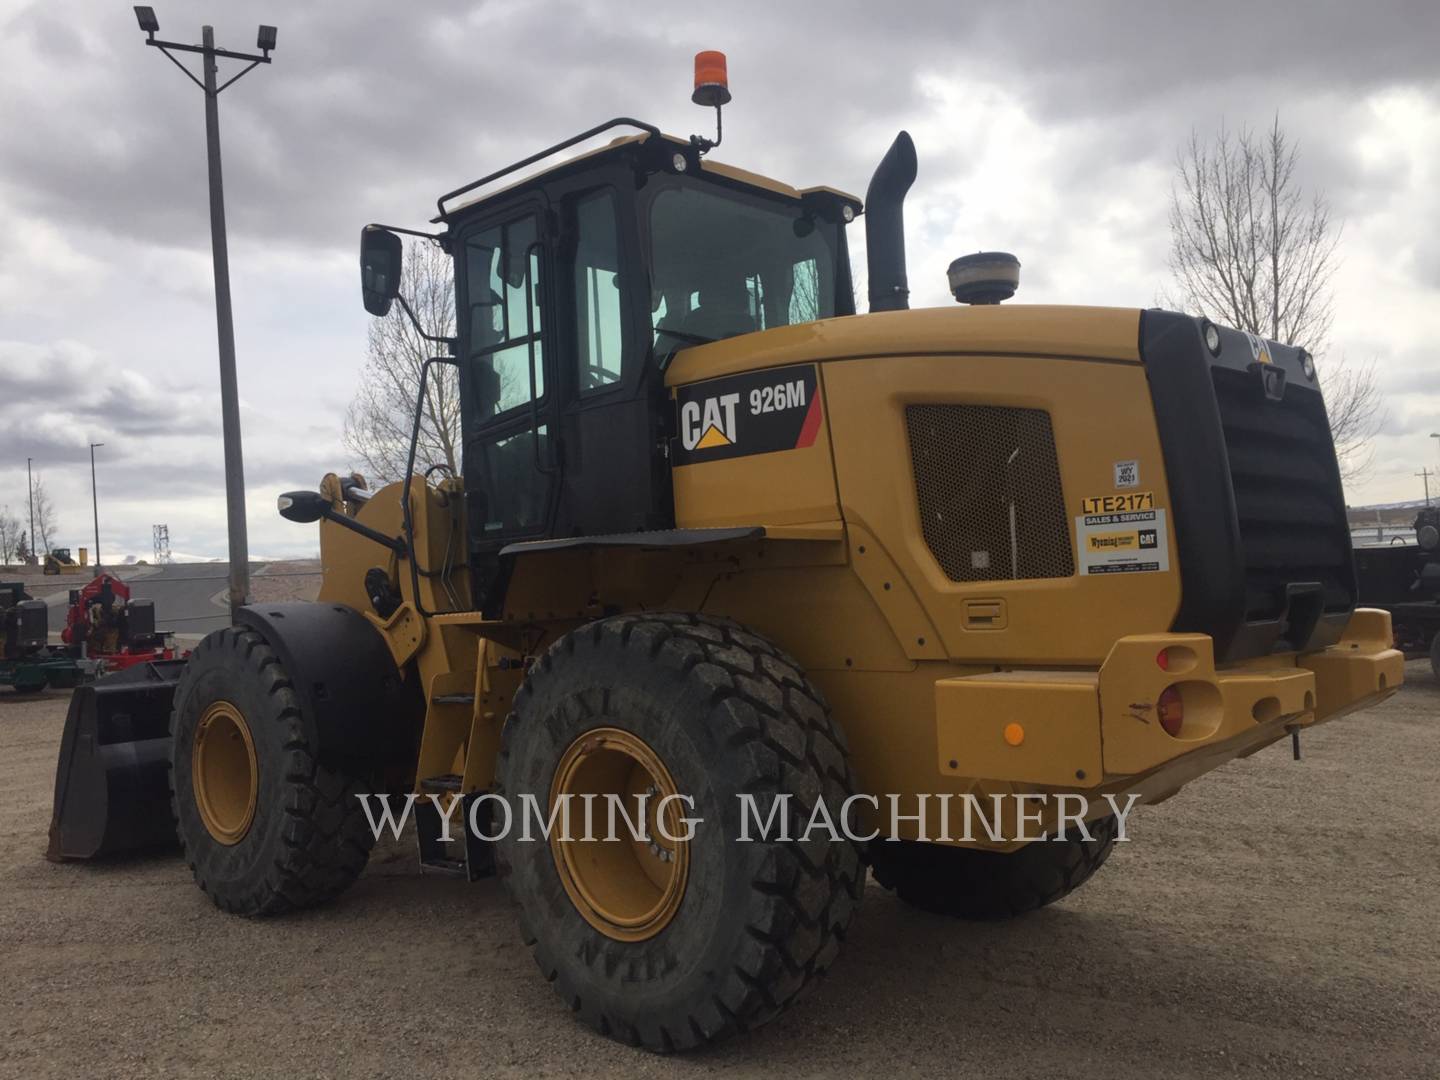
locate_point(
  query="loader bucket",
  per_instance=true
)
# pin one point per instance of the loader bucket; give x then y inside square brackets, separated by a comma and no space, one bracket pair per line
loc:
[112,785]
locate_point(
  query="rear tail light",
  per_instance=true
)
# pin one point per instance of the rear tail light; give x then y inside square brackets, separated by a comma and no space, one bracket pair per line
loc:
[1171,709]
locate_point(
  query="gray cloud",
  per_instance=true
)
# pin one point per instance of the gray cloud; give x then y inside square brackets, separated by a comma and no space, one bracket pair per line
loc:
[372,108]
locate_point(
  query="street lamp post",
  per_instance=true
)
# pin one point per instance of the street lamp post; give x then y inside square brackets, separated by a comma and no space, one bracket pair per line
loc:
[95,502]
[224,321]
[30,490]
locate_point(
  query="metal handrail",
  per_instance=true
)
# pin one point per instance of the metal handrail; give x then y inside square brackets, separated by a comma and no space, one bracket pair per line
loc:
[619,121]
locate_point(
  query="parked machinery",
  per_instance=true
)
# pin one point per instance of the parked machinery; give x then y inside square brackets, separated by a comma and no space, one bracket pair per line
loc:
[60,561]
[27,661]
[112,625]
[1404,579]
[714,534]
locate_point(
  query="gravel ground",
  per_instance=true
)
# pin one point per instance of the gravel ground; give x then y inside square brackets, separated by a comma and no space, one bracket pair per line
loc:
[298,579]
[1273,919]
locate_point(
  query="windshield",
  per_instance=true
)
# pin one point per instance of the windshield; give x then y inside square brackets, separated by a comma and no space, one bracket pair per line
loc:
[724,265]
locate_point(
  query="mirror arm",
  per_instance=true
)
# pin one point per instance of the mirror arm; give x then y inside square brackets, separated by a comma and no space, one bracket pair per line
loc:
[439,238]
[448,342]
[394,543]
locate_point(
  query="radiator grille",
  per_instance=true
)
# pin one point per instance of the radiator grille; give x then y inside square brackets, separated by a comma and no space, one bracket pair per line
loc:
[977,469]
[1288,503]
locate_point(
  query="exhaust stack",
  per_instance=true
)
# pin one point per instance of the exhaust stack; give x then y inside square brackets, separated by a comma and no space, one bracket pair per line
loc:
[885,226]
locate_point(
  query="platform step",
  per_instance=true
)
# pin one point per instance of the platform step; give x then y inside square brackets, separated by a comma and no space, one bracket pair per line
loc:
[454,867]
[463,854]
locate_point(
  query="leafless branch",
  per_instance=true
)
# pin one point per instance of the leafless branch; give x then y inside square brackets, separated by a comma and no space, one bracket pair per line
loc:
[10,529]
[45,517]
[1250,249]
[379,420]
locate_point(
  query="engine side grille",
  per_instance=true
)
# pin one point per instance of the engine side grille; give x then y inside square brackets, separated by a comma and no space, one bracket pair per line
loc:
[988,484]
[1290,514]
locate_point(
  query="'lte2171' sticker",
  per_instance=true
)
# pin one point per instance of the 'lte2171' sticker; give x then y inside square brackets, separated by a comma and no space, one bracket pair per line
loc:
[758,412]
[1122,534]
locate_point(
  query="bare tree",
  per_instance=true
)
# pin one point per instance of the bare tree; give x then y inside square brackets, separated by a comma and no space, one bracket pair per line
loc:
[46,526]
[378,423]
[1251,249]
[9,536]
[1356,410]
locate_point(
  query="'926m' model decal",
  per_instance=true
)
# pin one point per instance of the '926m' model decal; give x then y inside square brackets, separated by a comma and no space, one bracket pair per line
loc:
[759,412]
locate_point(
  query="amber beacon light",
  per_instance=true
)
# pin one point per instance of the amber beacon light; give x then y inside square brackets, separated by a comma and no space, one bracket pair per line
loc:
[712,85]
[712,88]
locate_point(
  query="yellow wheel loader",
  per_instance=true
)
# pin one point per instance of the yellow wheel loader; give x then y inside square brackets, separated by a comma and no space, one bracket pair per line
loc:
[742,563]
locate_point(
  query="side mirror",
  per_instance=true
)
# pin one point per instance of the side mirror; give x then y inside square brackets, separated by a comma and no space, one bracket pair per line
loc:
[380,258]
[304,507]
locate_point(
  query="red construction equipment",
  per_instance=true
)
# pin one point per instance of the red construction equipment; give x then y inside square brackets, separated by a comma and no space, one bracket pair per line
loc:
[113,627]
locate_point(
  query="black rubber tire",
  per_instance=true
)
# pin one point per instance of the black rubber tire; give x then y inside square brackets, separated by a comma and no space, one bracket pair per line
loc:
[1435,656]
[760,922]
[309,839]
[971,883]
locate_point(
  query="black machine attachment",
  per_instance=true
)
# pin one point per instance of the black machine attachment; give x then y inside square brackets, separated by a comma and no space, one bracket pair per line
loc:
[24,627]
[112,784]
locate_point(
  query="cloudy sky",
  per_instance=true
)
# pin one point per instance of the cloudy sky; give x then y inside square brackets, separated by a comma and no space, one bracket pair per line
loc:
[1048,130]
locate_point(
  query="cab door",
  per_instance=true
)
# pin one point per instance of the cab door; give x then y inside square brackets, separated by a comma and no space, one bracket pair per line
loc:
[507,382]
[612,417]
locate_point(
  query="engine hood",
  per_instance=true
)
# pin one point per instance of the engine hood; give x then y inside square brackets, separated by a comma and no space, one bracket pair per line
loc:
[1089,333]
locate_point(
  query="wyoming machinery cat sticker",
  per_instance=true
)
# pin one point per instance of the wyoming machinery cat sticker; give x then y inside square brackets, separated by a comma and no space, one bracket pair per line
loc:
[759,412]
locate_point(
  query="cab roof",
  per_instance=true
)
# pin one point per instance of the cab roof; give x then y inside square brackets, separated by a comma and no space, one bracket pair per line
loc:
[616,147]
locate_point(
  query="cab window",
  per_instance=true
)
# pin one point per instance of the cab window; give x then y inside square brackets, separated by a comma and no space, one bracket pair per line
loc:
[502,317]
[598,313]
[725,265]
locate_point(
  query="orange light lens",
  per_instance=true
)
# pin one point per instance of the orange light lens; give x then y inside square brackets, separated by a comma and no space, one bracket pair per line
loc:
[710,69]
[1014,734]
[1171,710]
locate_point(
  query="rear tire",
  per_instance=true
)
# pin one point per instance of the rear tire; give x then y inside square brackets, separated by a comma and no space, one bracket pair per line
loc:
[971,883]
[724,712]
[305,837]
[1435,656]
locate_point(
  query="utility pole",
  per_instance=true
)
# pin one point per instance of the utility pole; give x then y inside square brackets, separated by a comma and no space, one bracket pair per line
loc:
[30,488]
[1425,475]
[95,502]
[224,320]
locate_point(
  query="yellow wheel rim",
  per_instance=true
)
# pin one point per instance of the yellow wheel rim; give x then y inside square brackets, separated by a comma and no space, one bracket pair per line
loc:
[223,773]
[630,888]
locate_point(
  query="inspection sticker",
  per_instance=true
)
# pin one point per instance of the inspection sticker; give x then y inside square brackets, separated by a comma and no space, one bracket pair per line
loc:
[1122,534]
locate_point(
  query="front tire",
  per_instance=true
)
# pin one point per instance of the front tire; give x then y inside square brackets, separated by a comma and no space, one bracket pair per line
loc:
[265,828]
[971,883]
[702,706]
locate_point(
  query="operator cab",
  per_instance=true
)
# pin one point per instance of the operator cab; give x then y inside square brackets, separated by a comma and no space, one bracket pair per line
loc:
[574,289]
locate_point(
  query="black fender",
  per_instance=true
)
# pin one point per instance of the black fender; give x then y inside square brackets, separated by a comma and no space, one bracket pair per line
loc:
[365,713]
